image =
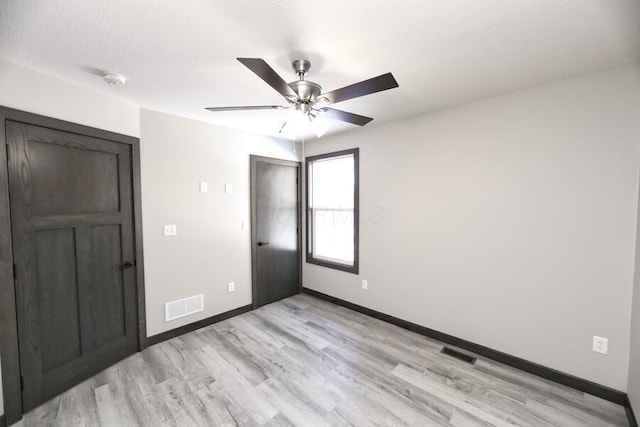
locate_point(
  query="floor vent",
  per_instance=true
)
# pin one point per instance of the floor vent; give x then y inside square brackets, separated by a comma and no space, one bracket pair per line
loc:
[461,356]
[183,307]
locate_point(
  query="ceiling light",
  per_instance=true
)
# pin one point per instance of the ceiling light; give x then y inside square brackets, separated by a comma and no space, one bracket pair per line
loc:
[319,126]
[295,124]
[298,123]
[114,79]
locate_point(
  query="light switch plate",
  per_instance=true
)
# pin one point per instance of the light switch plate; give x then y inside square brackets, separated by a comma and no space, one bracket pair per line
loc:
[170,230]
[228,188]
[204,187]
[232,286]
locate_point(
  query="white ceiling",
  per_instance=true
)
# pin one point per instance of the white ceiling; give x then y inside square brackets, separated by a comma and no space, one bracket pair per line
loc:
[179,55]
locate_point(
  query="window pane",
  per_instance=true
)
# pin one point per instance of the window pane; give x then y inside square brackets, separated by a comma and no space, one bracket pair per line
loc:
[333,183]
[332,213]
[333,235]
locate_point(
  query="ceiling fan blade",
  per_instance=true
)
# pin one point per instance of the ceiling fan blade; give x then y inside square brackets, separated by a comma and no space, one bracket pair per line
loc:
[344,116]
[246,107]
[365,87]
[266,73]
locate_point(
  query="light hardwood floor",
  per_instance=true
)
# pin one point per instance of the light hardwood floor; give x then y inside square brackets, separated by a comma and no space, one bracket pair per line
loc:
[305,362]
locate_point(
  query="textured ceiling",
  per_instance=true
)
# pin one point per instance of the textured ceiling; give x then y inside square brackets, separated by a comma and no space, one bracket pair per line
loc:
[179,56]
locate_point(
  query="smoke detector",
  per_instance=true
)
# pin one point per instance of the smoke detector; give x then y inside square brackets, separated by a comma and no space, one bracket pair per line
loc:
[114,79]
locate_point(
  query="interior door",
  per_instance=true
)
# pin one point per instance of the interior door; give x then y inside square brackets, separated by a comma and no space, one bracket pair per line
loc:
[275,229]
[73,245]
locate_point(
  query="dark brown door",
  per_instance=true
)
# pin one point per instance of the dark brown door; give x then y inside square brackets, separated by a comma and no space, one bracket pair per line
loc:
[71,212]
[275,224]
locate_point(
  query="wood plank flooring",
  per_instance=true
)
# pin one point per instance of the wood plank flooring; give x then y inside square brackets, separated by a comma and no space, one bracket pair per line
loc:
[306,362]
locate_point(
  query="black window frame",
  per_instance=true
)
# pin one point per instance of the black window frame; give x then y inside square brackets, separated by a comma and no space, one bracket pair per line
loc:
[310,258]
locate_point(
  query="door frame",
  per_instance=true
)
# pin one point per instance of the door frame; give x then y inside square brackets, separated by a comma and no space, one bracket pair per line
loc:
[9,351]
[254,238]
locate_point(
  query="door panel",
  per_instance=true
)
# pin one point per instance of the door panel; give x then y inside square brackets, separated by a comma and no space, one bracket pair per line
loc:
[55,170]
[57,300]
[106,289]
[72,227]
[275,221]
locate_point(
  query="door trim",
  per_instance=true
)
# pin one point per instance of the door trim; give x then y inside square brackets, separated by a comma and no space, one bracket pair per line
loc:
[254,238]
[9,352]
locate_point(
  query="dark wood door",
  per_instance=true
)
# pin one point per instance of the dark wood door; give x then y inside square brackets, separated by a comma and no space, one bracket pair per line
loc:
[72,228]
[275,229]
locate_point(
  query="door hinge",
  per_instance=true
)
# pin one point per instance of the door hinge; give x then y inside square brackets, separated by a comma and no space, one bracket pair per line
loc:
[21,383]
[297,230]
[15,272]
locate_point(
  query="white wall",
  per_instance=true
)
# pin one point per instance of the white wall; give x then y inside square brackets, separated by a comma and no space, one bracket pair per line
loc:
[509,222]
[28,90]
[211,248]
[634,356]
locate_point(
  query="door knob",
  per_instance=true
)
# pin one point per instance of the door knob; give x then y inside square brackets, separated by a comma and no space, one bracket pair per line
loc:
[263,243]
[126,265]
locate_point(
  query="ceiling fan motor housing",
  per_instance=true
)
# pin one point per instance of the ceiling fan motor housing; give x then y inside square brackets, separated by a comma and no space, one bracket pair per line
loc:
[307,91]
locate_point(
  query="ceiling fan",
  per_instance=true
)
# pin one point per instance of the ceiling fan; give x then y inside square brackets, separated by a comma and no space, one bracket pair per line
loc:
[306,97]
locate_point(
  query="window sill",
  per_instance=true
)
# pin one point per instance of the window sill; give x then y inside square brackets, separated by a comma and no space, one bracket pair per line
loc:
[336,266]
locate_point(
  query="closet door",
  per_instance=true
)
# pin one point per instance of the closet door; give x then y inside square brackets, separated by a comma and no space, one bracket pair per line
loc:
[73,245]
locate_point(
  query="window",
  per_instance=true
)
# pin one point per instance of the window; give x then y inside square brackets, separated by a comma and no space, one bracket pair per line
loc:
[332,210]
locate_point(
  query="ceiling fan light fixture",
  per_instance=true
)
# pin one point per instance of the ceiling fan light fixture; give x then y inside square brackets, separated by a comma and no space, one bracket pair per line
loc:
[299,123]
[319,126]
[296,124]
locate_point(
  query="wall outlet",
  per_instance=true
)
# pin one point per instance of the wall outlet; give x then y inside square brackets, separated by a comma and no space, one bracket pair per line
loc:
[232,286]
[170,230]
[228,188]
[600,345]
[365,285]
